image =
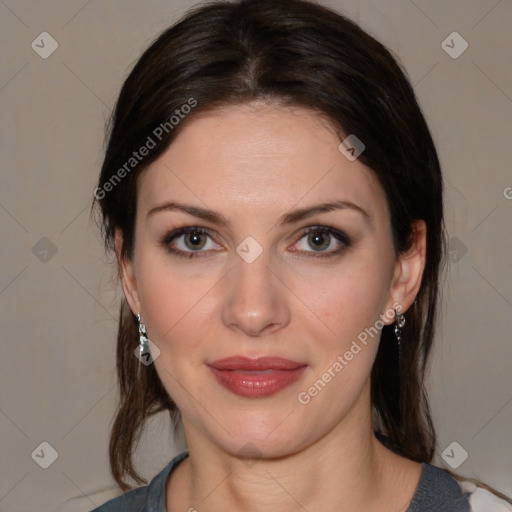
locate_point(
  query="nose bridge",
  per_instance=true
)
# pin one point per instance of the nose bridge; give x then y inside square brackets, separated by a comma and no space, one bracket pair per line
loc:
[255,298]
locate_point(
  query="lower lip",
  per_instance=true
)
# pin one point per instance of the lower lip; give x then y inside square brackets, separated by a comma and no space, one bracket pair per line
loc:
[257,384]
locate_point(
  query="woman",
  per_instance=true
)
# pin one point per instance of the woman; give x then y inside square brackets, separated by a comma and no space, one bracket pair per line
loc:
[274,200]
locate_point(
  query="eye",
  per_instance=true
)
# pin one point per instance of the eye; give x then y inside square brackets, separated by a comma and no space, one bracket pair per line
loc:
[194,241]
[189,242]
[323,240]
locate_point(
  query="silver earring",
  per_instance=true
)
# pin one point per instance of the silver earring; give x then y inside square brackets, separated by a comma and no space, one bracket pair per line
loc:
[143,337]
[399,323]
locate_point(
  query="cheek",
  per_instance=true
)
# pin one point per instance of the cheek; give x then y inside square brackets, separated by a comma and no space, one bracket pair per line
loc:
[346,299]
[179,309]
[172,305]
[341,360]
[177,312]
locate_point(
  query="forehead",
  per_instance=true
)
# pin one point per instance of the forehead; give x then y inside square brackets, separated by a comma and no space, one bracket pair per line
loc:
[258,159]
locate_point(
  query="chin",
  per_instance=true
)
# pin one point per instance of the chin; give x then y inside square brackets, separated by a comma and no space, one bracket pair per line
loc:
[264,434]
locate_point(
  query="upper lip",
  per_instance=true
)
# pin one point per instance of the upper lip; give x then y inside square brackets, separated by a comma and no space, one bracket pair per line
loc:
[259,363]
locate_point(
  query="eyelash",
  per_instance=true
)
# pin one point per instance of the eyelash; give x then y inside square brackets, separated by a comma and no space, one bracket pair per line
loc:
[338,235]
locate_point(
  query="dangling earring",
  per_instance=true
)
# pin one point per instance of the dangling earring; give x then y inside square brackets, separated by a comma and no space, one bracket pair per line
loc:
[399,323]
[143,347]
[147,352]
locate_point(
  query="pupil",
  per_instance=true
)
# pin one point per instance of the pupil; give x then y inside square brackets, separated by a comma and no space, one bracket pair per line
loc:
[194,240]
[319,240]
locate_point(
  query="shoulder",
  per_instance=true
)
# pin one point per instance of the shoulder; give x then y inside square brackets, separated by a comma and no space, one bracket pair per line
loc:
[481,500]
[132,501]
[437,491]
[151,497]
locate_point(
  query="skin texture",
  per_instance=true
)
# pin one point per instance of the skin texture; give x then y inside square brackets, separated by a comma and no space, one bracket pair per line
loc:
[253,164]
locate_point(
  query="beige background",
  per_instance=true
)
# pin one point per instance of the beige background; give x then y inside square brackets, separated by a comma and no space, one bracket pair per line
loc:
[58,311]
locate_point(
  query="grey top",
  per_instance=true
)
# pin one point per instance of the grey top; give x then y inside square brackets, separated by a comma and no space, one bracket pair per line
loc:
[436,492]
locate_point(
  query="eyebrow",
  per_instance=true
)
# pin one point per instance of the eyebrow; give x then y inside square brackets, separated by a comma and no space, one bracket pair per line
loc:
[288,218]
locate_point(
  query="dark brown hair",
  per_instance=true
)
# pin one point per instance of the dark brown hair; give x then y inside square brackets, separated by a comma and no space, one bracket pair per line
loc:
[295,53]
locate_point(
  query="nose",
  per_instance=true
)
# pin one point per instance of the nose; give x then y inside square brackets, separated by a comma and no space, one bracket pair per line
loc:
[256,300]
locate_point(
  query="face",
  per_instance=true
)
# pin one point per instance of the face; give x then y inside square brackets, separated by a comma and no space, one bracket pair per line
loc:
[262,254]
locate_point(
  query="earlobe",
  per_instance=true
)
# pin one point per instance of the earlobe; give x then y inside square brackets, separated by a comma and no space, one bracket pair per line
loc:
[126,273]
[409,270]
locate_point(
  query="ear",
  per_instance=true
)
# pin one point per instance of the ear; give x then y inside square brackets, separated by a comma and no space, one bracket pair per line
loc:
[409,271]
[127,275]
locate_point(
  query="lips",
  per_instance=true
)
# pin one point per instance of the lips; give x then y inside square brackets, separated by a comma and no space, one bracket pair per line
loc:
[256,378]
[261,363]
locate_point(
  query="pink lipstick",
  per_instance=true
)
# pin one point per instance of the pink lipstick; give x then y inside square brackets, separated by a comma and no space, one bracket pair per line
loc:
[256,378]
